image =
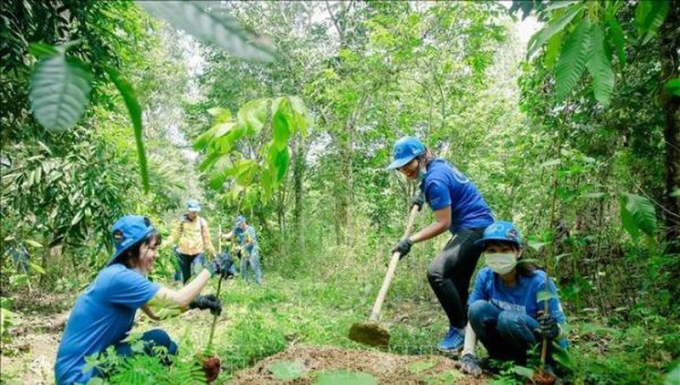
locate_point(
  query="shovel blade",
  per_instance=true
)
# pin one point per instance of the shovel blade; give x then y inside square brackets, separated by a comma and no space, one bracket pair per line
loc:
[370,333]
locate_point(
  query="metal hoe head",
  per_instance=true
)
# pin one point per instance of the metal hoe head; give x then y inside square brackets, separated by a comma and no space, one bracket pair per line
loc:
[370,333]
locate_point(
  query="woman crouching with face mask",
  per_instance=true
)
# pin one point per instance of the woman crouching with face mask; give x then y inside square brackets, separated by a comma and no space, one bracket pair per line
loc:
[504,312]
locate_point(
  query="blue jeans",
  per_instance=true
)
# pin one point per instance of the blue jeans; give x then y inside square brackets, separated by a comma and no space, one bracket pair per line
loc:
[252,260]
[506,335]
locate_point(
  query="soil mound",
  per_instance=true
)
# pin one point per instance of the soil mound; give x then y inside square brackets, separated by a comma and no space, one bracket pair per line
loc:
[307,365]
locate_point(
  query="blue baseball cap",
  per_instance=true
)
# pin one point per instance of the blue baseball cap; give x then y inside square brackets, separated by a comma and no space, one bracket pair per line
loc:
[502,231]
[405,150]
[127,231]
[240,219]
[192,205]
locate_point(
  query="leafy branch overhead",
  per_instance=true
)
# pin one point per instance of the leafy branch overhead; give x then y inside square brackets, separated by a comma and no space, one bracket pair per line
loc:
[581,35]
[227,150]
[60,85]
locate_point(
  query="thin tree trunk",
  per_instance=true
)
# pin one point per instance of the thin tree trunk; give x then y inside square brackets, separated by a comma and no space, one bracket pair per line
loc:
[669,43]
[298,177]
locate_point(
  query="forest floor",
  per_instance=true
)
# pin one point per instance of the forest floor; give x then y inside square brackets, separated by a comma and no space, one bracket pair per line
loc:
[296,331]
[306,327]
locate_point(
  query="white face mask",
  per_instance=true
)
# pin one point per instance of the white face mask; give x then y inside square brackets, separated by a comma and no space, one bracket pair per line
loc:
[501,263]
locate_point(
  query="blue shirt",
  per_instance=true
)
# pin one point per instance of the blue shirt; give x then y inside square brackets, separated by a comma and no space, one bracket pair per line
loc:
[243,235]
[520,298]
[102,316]
[444,186]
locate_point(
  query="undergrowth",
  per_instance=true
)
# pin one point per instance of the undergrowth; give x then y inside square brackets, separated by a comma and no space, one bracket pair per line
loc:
[261,321]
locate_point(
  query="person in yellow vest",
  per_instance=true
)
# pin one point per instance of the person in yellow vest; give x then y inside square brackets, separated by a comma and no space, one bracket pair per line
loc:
[193,241]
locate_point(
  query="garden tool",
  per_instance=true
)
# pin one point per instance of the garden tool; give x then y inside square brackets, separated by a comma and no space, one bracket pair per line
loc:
[211,365]
[371,332]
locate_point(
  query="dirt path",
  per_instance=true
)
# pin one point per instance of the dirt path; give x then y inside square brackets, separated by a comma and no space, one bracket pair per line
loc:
[29,357]
[386,368]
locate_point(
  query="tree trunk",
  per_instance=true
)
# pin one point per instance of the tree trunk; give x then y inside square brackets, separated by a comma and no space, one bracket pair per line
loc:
[298,177]
[669,35]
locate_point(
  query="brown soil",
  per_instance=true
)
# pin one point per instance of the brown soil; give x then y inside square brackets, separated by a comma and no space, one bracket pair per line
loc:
[542,378]
[211,368]
[387,368]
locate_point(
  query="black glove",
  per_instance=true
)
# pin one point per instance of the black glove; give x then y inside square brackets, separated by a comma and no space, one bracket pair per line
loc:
[418,200]
[469,364]
[226,264]
[216,267]
[403,247]
[209,301]
[547,326]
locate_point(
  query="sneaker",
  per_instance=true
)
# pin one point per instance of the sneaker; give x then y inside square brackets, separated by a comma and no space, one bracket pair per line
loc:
[454,339]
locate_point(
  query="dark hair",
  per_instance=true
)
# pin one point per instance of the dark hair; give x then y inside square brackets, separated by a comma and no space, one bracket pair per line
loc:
[133,251]
[525,269]
[426,157]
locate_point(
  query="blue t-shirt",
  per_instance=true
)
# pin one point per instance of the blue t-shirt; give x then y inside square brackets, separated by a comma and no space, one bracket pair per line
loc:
[242,235]
[444,186]
[102,316]
[519,298]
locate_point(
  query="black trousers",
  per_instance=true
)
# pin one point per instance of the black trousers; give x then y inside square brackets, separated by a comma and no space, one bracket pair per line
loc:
[450,272]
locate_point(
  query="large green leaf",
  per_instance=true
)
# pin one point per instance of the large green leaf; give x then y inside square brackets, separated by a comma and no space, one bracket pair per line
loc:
[638,214]
[555,26]
[286,370]
[343,377]
[135,111]
[221,114]
[199,20]
[552,50]
[59,92]
[301,114]
[617,36]
[673,87]
[278,161]
[599,67]
[649,15]
[253,115]
[573,59]
[281,124]
[42,50]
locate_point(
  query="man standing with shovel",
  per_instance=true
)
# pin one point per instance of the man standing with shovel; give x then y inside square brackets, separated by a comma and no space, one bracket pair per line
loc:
[458,207]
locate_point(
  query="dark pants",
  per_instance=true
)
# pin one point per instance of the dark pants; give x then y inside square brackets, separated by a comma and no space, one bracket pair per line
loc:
[185,263]
[449,274]
[151,339]
[506,335]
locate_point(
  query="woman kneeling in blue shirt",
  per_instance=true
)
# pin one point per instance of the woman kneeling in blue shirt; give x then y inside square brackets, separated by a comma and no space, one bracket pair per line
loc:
[104,313]
[504,312]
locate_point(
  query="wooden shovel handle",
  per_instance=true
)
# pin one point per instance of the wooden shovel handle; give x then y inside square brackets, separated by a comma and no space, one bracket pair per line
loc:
[392,268]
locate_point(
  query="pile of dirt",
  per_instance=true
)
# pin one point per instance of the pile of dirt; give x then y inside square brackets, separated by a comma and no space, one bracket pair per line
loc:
[386,368]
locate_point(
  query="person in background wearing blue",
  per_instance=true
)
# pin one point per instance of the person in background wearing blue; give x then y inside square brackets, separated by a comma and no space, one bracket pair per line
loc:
[20,257]
[504,311]
[459,208]
[250,253]
[104,313]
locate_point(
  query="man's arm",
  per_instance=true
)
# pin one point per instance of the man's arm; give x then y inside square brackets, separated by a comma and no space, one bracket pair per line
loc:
[442,222]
